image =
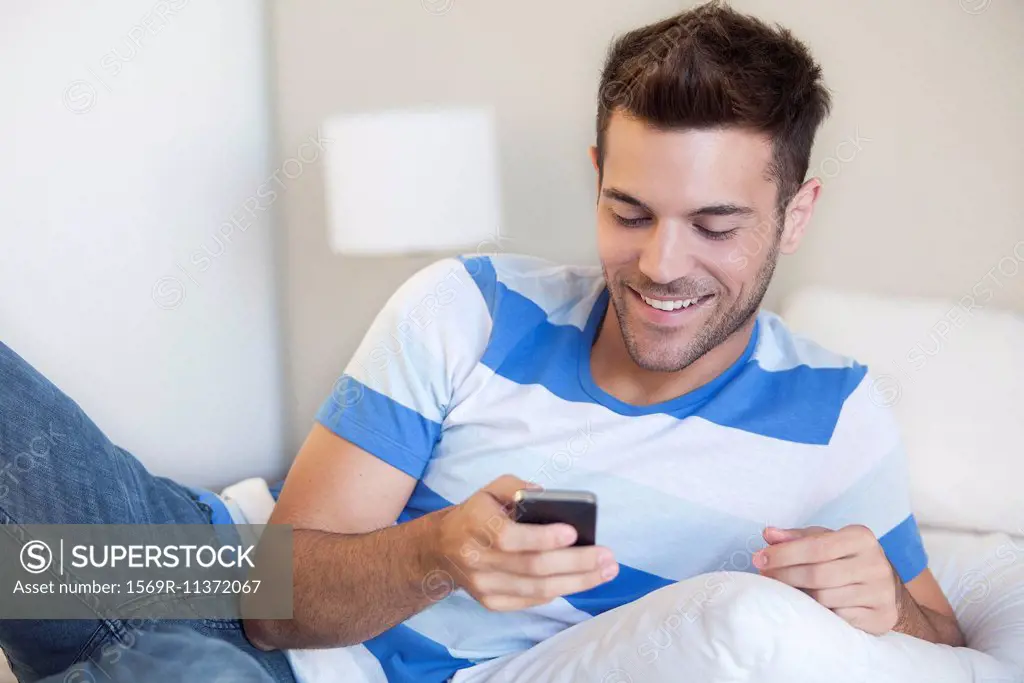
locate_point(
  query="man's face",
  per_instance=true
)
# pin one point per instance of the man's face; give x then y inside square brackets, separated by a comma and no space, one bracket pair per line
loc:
[688,236]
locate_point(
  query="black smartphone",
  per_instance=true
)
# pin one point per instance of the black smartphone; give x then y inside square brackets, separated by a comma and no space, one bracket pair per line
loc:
[575,508]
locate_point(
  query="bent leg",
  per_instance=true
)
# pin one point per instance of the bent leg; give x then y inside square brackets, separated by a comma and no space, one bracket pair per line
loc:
[57,467]
[169,654]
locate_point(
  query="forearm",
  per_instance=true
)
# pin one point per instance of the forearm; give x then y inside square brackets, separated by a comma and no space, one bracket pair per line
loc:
[352,587]
[926,624]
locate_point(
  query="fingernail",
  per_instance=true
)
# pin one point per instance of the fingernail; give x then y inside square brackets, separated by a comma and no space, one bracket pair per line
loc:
[760,560]
[610,571]
[604,557]
[567,535]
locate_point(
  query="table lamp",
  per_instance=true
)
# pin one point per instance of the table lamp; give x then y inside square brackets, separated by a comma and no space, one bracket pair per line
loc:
[412,181]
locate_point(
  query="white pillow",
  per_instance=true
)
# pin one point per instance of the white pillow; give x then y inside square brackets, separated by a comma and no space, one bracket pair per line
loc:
[730,626]
[982,575]
[955,380]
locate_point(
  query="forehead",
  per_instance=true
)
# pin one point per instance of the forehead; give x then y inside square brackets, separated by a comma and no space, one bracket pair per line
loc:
[687,167]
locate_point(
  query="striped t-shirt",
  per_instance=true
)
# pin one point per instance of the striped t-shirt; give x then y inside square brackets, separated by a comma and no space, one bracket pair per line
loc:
[480,366]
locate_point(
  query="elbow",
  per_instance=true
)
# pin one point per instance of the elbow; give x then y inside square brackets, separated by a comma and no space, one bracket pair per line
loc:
[956,638]
[264,634]
[282,634]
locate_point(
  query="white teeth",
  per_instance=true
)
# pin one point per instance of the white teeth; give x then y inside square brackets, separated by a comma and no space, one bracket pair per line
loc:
[669,305]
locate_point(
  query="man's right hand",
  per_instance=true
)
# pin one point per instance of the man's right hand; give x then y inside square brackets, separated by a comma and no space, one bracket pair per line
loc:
[508,566]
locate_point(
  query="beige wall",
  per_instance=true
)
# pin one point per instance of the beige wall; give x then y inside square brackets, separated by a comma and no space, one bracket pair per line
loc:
[923,197]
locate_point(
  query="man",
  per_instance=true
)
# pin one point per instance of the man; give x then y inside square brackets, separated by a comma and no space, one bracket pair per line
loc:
[713,438]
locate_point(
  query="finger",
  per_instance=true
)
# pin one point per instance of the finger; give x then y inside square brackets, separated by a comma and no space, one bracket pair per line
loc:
[493,506]
[513,537]
[852,595]
[823,547]
[541,589]
[774,534]
[504,488]
[508,603]
[833,574]
[564,561]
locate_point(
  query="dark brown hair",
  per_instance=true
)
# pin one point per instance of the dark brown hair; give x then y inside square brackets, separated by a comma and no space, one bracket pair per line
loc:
[710,67]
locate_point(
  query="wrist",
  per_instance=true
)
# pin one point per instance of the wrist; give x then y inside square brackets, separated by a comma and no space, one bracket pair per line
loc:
[910,618]
[905,607]
[429,553]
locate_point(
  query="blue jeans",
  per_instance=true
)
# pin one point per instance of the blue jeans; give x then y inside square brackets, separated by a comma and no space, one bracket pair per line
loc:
[57,467]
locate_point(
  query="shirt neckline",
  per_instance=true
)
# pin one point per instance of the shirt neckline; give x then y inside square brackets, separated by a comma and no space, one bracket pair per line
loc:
[680,404]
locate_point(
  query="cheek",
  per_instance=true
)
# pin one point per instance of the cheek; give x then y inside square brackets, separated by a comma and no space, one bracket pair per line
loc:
[736,267]
[740,261]
[615,246]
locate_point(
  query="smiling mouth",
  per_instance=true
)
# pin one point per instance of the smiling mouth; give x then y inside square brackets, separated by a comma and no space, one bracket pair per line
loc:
[674,304]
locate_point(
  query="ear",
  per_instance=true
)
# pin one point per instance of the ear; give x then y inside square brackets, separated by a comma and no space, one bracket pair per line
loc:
[597,170]
[798,215]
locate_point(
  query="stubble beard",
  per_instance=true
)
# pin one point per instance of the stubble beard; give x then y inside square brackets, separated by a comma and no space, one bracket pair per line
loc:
[656,352]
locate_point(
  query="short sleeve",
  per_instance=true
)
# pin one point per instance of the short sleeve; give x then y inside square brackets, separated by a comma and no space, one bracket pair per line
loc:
[393,396]
[877,494]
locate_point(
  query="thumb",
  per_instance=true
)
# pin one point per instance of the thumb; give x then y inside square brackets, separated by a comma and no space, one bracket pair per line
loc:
[504,488]
[773,535]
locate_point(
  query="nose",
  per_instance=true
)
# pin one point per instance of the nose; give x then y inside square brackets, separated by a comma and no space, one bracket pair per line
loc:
[666,257]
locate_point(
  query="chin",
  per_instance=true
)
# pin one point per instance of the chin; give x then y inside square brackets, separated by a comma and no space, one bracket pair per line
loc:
[662,355]
[664,348]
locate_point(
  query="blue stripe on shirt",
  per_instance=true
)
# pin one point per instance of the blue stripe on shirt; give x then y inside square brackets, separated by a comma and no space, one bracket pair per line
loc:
[630,584]
[422,501]
[380,425]
[482,271]
[905,549]
[507,305]
[409,657]
[801,405]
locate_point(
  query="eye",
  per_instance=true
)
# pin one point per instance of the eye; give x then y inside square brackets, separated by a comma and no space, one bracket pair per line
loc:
[630,222]
[715,234]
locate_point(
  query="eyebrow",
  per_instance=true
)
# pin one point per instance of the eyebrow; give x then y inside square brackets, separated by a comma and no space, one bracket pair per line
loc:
[724,209]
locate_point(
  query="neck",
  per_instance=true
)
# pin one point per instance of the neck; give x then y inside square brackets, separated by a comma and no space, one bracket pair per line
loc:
[614,370]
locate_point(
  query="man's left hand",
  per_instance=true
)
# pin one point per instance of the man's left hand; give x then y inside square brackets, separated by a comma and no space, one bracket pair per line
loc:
[845,570]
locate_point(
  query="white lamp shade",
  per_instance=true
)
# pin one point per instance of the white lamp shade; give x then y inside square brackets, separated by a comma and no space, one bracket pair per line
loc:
[412,181]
